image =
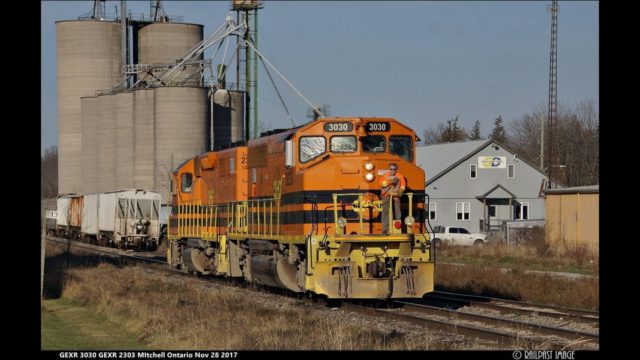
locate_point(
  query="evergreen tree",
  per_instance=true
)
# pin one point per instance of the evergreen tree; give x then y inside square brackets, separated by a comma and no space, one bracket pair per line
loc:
[452,131]
[475,131]
[498,133]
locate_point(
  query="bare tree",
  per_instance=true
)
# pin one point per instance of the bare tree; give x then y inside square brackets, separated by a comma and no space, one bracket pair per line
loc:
[431,135]
[578,141]
[49,173]
[314,114]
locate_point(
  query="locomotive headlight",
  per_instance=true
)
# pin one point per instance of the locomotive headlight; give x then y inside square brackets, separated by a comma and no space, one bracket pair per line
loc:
[342,222]
[409,220]
[369,177]
[369,166]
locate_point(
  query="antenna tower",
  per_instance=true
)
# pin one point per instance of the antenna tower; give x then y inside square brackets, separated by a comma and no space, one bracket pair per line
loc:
[553,94]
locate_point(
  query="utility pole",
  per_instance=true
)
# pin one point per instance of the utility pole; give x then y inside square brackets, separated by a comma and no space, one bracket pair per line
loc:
[553,92]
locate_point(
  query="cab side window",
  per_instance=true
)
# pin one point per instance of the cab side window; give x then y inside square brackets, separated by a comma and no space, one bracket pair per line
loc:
[186,182]
[401,146]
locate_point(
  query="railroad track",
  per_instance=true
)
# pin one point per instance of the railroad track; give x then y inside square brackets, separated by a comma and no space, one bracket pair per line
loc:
[110,252]
[513,307]
[504,331]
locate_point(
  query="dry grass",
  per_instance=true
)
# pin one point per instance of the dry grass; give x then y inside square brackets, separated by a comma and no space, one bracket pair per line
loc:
[170,314]
[532,256]
[519,285]
[167,315]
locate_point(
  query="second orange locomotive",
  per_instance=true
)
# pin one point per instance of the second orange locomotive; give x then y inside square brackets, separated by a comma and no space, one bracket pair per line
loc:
[300,209]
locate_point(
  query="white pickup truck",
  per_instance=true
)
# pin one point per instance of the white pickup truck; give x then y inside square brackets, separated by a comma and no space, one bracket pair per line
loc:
[454,235]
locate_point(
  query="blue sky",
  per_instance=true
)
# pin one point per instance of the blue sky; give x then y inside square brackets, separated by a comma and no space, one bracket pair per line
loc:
[419,62]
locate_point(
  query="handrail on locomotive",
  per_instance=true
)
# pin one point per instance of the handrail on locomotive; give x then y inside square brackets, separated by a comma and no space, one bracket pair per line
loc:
[363,204]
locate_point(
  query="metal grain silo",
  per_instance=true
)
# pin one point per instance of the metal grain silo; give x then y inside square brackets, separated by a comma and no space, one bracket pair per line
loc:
[107,143]
[165,43]
[89,120]
[181,130]
[124,146]
[88,59]
[228,117]
[144,153]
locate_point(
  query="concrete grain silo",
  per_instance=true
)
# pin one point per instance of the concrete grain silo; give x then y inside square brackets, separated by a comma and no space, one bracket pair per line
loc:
[90,116]
[181,130]
[144,128]
[88,59]
[228,117]
[167,43]
[107,143]
[124,136]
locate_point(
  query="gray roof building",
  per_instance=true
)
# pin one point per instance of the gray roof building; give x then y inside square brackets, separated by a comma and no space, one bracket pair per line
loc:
[479,185]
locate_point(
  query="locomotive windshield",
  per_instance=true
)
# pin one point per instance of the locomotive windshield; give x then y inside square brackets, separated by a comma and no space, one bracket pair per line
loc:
[401,146]
[374,143]
[311,147]
[343,144]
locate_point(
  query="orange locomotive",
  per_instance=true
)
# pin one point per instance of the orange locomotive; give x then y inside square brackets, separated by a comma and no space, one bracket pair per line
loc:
[300,209]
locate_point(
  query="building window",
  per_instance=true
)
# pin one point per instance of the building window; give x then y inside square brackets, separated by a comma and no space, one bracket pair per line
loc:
[462,210]
[431,210]
[492,210]
[512,171]
[522,211]
[473,171]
